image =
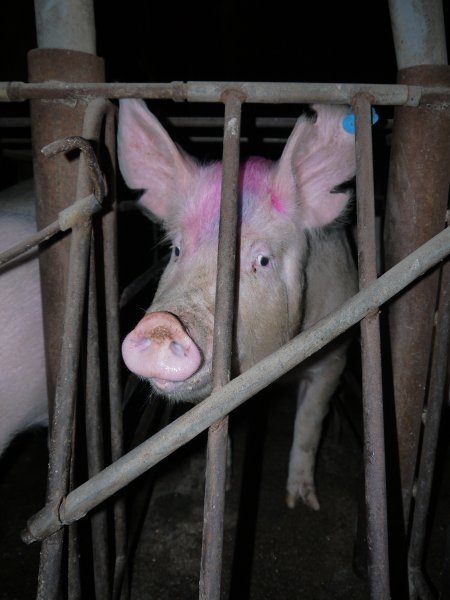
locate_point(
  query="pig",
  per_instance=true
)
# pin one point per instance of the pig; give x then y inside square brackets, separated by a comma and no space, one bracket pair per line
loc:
[23,391]
[295,264]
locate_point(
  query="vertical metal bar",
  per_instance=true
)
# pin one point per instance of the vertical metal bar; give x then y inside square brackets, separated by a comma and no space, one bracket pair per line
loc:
[430,439]
[58,473]
[419,32]
[67,24]
[73,561]
[374,449]
[111,263]
[94,438]
[211,561]
[100,111]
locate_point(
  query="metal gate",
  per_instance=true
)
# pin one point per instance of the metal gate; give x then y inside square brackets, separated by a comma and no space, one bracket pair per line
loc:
[422,101]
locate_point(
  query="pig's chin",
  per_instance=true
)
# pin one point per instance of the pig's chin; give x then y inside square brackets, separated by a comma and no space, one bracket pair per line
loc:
[194,389]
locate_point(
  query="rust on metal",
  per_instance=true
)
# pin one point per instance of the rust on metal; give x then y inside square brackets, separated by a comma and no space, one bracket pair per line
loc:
[55,179]
[212,91]
[372,386]
[416,208]
[214,504]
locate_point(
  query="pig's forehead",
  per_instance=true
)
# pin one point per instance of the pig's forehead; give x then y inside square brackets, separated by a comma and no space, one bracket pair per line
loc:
[202,207]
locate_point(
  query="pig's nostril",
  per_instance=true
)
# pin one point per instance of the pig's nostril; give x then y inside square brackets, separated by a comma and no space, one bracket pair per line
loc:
[177,349]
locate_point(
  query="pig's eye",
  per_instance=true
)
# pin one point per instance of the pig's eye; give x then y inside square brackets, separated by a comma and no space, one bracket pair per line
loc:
[262,260]
[177,251]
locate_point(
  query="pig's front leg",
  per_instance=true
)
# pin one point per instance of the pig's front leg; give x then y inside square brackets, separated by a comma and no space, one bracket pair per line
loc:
[314,392]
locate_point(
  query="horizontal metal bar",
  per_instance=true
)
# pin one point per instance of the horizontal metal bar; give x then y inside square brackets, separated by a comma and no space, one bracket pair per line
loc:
[210,91]
[91,493]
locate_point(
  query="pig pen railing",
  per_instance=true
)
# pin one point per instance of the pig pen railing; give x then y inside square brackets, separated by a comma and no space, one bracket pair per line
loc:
[63,509]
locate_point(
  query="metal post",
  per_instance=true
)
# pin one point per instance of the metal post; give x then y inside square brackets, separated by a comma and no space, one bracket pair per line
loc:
[433,413]
[374,450]
[55,180]
[416,205]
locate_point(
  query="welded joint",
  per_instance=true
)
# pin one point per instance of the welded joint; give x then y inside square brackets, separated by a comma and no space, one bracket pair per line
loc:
[79,211]
[233,94]
[179,91]
[363,96]
[45,523]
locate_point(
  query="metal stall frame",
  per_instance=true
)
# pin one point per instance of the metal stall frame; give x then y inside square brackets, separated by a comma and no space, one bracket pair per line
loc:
[65,508]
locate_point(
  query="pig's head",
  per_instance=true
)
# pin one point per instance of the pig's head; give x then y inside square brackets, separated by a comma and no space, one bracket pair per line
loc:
[278,202]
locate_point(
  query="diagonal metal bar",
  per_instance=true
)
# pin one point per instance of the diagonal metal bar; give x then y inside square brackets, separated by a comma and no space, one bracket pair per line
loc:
[63,511]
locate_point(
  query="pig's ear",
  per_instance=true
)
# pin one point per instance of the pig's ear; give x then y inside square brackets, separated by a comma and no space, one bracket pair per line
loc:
[150,161]
[318,157]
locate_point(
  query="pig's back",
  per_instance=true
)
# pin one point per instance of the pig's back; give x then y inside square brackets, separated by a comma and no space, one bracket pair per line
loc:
[23,398]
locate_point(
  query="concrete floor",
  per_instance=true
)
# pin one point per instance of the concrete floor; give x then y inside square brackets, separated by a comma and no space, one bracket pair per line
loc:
[270,551]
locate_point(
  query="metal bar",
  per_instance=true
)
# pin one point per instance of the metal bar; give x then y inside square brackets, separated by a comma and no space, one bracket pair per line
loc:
[372,388]
[67,219]
[99,113]
[33,240]
[55,181]
[214,504]
[418,30]
[114,357]
[416,205]
[431,435]
[66,24]
[58,471]
[91,493]
[210,91]
[95,438]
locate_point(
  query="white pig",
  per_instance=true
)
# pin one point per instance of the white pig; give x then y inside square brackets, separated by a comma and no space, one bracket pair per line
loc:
[294,268]
[23,392]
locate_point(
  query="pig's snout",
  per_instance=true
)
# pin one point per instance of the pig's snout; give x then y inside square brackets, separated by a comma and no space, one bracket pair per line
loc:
[159,348]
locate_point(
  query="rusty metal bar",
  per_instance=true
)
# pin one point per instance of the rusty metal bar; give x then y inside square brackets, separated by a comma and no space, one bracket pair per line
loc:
[100,112]
[67,218]
[430,438]
[372,386]
[95,438]
[58,471]
[91,493]
[214,504]
[111,270]
[416,205]
[33,240]
[211,91]
[55,181]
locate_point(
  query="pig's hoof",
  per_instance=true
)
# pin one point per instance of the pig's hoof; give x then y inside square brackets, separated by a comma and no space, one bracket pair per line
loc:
[308,496]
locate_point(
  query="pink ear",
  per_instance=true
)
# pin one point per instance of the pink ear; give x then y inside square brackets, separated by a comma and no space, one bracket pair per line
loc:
[149,160]
[319,155]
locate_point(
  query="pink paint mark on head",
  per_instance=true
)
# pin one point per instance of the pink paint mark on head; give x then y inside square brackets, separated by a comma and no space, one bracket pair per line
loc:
[254,175]
[277,204]
[201,214]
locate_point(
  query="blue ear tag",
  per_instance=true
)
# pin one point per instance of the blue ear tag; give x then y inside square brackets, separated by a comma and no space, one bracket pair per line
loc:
[348,122]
